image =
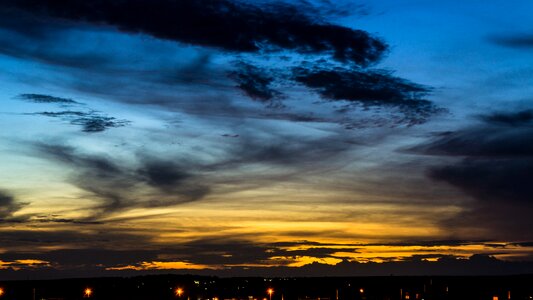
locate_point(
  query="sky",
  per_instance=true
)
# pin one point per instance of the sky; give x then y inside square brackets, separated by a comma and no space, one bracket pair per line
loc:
[272,138]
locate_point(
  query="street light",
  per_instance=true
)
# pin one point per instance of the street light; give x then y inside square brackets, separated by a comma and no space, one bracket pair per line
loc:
[1,292]
[270,291]
[178,292]
[87,293]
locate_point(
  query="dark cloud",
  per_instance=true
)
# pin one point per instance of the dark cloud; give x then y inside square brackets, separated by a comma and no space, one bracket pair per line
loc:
[501,135]
[58,219]
[489,142]
[98,250]
[506,180]
[336,8]
[89,121]
[513,119]
[256,83]
[296,117]
[266,26]
[69,258]
[368,86]
[98,123]
[33,241]
[153,183]
[436,243]
[495,169]
[228,251]
[376,88]
[514,41]
[157,173]
[233,26]
[8,206]
[524,244]
[39,98]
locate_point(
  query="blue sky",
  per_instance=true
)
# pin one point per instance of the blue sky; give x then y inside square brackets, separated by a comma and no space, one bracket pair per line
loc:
[304,133]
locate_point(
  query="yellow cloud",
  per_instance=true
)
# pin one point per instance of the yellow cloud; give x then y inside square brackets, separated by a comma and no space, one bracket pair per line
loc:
[163,265]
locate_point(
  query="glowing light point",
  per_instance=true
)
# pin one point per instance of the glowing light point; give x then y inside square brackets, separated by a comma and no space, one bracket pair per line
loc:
[270,291]
[87,293]
[179,292]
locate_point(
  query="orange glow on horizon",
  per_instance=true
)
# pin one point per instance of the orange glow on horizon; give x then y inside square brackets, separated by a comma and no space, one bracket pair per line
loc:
[163,265]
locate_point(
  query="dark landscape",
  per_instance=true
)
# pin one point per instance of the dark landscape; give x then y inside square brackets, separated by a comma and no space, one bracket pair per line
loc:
[247,288]
[272,149]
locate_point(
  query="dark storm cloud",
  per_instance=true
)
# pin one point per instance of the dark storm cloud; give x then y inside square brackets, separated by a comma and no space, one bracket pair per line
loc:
[514,41]
[255,82]
[233,26]
[39,98]
[122,186]
[496,169]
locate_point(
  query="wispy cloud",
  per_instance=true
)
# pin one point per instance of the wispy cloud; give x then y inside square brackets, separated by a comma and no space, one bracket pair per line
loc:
[91,121]
[40,98]
[154,183]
